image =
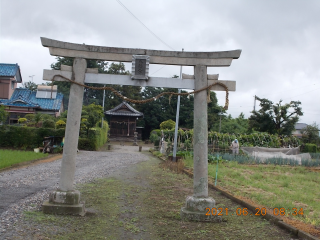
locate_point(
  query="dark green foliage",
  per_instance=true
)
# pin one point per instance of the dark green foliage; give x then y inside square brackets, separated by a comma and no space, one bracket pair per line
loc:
[25,137]
[90,116]
[237,125]
[3,114]
[275,118]
[97,137]
[156,142]
[96,96]
[309,147]
[87,144]
[48,123]
[153,137]
[310,134]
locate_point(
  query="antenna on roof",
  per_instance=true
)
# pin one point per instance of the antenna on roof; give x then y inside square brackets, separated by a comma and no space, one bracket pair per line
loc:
[32,77]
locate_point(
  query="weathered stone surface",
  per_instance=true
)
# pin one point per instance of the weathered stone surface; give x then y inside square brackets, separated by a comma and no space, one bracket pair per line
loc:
[62,197]
[126,80]
[92,70]
[46,42]
[77,209]
[68,166]
[66,49]
[66,68]
[200,137]
[198,216]
[196,209]
[213,62]
[195,204]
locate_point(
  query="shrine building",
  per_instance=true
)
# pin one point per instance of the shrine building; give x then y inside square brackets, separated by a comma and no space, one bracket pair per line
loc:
[123,121]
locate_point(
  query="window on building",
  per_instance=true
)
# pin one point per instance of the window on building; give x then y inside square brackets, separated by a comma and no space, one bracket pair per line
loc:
[12,84]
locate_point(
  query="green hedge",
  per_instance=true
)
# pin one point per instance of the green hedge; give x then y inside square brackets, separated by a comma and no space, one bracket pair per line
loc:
[97,137]
[30,137]
[87,144]
[309,147]
[25,137]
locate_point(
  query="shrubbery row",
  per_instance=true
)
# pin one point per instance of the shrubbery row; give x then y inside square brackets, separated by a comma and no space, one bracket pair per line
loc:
[31,137]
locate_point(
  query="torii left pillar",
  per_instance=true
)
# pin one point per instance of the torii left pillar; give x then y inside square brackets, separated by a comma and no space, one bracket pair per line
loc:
[66,200]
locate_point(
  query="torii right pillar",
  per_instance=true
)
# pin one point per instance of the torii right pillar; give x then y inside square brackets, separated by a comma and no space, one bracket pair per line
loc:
[196,205]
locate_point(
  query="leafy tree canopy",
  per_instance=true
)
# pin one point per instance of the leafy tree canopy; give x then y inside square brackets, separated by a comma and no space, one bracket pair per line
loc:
[90,116]
[310,134]
[230,125]
[169,124]
[96,96]
[30,85]
[275,118]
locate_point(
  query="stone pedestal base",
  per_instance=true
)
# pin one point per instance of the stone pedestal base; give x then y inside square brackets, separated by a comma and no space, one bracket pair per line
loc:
[61,202]
[197,208]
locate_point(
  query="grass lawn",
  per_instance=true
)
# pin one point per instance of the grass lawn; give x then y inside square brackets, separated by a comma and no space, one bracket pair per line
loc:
[10,157]
[273,186]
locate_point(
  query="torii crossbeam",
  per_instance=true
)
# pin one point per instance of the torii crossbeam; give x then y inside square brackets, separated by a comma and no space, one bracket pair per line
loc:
[66,199]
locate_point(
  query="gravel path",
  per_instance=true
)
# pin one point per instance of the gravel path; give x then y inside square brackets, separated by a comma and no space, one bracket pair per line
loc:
[26,188]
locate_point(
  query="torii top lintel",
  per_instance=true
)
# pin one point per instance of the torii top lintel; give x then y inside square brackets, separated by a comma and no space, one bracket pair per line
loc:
[213,59]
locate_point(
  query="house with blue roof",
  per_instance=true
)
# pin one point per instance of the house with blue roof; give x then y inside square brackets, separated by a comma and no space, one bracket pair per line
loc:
[10,76]
[22,101]
[45,100]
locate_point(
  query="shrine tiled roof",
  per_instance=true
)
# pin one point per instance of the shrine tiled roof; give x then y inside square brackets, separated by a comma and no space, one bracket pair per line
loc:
[23,97]
[124,109]
[10,70]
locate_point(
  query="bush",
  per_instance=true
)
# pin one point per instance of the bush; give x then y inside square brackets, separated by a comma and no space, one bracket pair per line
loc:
[156,132]
[22,120]
[309,147]
[29,117]
[97,137]
[87,144]
[25,137]
[60,124]
[167,125]
[48,123]
[157,142]
[154,137]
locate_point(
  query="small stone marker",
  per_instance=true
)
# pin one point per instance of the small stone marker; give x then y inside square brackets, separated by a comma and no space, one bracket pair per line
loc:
[135,139]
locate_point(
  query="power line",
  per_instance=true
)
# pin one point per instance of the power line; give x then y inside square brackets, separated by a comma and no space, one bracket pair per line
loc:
[301,94]
[158,70]
[143,24]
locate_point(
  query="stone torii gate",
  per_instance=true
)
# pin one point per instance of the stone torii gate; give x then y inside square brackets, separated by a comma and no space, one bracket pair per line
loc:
[66,199]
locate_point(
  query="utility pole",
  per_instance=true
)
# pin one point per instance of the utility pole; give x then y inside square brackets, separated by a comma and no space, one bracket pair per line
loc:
[254,104]
[220,113]
[177,122]
[104,96]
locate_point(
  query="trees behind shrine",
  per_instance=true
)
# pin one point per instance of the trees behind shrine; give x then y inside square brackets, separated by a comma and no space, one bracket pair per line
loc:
[154,112]
[271,118]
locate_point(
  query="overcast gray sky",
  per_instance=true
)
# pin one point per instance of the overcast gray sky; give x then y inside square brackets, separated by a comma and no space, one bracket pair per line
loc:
[279,40]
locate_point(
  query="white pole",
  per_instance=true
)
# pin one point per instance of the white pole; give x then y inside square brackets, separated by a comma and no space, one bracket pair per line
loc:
[177,122]
[104,96]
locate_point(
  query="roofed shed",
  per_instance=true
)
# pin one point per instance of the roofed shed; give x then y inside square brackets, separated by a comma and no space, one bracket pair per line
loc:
[123,119]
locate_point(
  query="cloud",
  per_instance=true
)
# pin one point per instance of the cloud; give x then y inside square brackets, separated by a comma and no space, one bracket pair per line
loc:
[279,40]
